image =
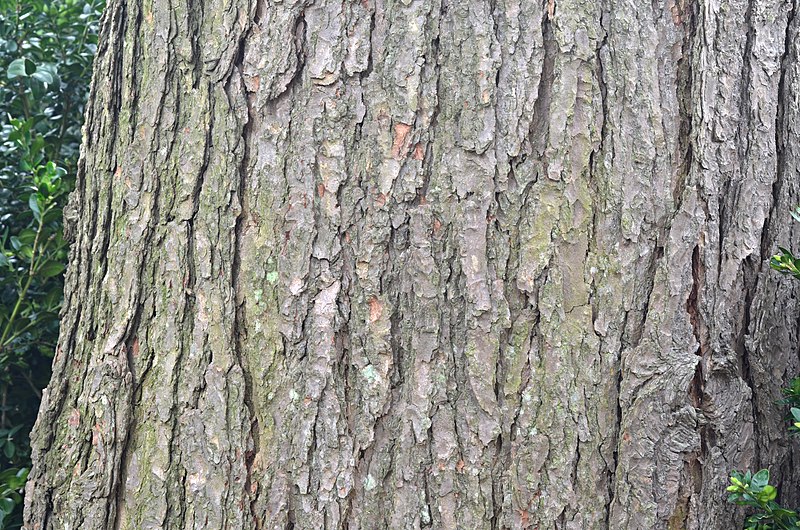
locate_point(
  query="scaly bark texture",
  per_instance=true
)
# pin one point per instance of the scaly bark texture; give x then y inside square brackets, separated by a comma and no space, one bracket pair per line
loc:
[426,263]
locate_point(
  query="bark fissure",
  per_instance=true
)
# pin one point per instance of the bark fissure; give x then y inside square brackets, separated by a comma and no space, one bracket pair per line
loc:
[238,330]
[781,130]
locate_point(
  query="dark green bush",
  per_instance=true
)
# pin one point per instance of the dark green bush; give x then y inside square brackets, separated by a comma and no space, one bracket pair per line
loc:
[46,51]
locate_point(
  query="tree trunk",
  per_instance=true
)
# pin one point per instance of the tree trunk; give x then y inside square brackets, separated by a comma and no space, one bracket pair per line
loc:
[426,263]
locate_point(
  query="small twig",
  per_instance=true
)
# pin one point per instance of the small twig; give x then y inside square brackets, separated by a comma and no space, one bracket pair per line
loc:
[32,385]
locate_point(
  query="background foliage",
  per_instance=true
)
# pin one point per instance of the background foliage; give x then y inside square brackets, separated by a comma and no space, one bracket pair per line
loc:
[46,51]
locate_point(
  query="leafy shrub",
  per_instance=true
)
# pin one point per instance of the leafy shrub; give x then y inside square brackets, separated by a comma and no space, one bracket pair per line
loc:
[11,483]
[46,51]
[755,491]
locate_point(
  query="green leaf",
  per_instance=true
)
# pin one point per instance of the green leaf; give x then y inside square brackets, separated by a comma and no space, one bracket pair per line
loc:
[761,478]
[20,68]
[33,203]
[53,214]
[51,268]
[768,493]
[47,70]
[44,77]
[27,236]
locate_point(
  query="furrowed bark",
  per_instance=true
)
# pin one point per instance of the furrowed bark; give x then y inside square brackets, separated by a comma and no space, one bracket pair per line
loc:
[426,263]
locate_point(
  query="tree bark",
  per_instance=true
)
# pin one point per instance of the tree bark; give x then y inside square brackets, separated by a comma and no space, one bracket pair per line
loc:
[426,263]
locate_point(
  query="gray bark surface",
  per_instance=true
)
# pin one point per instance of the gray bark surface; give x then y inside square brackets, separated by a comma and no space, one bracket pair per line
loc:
[426,263]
